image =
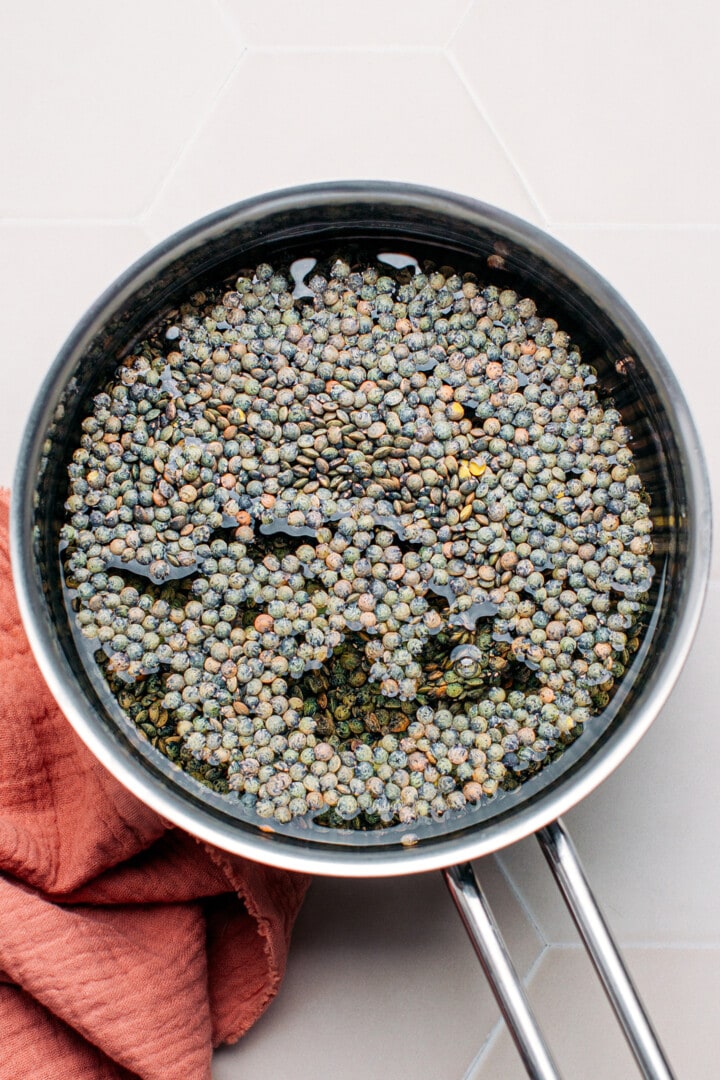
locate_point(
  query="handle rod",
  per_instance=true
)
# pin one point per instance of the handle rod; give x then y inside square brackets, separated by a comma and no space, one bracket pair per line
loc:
[497,965]
[563,860]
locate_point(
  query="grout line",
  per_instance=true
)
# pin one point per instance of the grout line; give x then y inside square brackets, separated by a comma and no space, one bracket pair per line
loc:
[488,1042]
[499,1026]
[530,973]
[512,886]
[468,7]
[648,946]
[497,136]
[206,113]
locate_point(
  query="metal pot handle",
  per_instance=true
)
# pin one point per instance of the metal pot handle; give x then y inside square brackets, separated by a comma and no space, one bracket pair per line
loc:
[499,971]
[506,985]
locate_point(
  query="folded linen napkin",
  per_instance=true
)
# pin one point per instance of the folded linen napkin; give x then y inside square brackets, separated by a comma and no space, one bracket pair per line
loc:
[127,948]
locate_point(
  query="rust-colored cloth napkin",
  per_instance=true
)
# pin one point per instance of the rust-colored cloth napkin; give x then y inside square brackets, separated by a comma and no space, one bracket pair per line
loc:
[127,948]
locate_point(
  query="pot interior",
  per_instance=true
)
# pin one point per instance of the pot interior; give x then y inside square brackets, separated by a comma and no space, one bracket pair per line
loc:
[363,223]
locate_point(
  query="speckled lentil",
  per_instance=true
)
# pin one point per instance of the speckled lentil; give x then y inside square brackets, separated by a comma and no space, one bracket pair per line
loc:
[367,545]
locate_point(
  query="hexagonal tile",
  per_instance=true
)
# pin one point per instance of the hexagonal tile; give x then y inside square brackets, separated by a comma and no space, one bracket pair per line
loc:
[608,109]
[104,98]
[290,118]
[316,24]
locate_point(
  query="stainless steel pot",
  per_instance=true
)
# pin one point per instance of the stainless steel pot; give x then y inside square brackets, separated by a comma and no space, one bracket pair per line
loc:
[375,217]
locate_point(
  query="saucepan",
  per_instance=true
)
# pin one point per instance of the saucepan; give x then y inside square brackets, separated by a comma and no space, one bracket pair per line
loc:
[375,217]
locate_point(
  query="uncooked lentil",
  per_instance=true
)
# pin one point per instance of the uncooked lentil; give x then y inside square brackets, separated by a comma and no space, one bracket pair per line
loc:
[367,545]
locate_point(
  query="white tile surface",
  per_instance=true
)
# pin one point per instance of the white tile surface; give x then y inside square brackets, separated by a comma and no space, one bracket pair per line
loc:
[298,117]
[381,982]
[344,24]
[98,100]
[49,276]
[680,986]
[118,125]
[609,109]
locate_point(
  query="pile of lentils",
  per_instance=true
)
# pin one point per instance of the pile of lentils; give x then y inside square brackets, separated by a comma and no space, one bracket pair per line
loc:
[361,544]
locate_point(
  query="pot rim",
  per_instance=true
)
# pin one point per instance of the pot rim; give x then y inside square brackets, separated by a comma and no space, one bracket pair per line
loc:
[311,856]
